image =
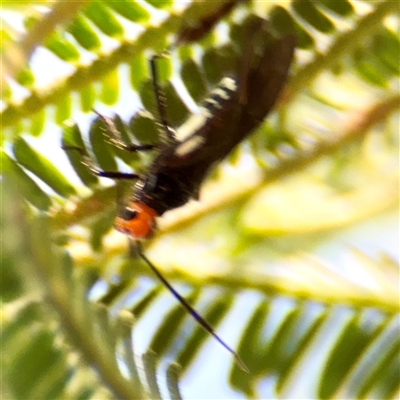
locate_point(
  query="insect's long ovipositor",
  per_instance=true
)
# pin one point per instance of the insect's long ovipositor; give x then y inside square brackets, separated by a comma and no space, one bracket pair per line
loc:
[207,327]
[231,113]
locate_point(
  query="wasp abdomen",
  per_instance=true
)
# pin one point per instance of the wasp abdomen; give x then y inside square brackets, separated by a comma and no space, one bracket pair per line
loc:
[217,101]
[219,96]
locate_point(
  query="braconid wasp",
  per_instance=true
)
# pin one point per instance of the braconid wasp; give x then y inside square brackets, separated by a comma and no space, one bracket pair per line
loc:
[187,155]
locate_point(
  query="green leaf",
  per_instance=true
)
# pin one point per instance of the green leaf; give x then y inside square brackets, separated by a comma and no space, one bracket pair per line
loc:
[26,78]
[138,70]
[173,374]
[99,228]
[170,327]
[249,350]
[176,108]
[160,3]
[339,7]
[370,71]
[38,123]
[130,10]
[42,168]
[307,10]
[386,46]
[354,340]
[87,98]
[194,80]
[23,373]
[62,48]
[213,315]
[63,109]
[101,150]
[84,34]
[144,128]
[110,89]
[216,62]
[129,157]
[283,22]
[73,144]
[28,187]
[104,19]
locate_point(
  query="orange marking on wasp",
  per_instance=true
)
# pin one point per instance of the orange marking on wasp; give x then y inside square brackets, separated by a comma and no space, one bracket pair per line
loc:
[139,221]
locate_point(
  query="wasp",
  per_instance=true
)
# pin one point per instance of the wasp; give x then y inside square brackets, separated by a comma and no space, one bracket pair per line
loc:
[186,156]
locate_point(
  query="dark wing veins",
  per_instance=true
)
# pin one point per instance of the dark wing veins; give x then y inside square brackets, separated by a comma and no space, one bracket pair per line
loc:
[235,108]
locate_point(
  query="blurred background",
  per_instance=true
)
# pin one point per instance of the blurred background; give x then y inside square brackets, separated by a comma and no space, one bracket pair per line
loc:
[292,252]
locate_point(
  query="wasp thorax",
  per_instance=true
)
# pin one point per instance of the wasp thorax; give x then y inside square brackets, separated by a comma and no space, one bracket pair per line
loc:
[137,220]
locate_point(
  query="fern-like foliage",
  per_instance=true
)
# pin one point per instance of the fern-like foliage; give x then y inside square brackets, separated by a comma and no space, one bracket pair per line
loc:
[291,253]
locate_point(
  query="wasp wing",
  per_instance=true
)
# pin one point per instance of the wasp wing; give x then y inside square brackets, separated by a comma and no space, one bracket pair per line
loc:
[233,111]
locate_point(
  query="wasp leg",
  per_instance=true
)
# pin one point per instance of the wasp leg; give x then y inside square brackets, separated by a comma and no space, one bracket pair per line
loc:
[116,139]
[117,175]
[160,100]
[87,161]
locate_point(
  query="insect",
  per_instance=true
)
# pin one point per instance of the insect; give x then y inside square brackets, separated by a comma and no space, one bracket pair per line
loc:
[187,155]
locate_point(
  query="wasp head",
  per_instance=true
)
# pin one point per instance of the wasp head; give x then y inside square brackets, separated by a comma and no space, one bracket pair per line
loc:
[137,220]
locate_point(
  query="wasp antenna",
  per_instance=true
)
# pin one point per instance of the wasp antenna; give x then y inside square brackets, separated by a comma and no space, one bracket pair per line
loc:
[205,325]
[160,98]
